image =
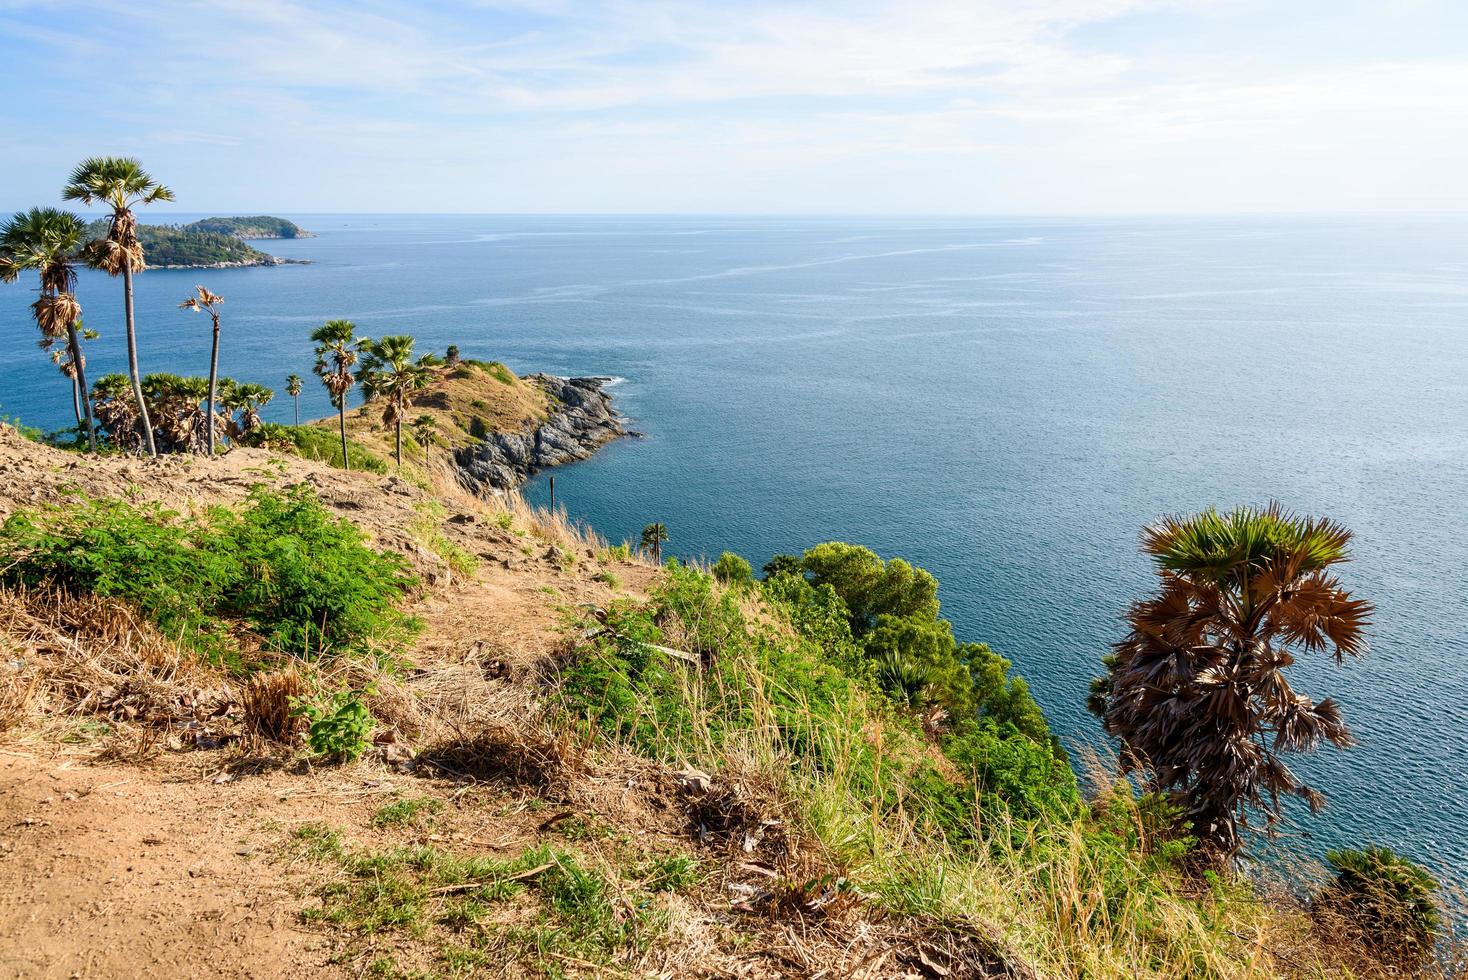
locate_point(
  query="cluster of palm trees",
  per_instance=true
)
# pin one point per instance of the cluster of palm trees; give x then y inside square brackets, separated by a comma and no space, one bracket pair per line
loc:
[166,412]
[54,242]
[389,374]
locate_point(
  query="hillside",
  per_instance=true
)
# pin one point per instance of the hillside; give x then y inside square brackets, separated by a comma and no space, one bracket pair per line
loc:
[491,428]
[532,754]
[251,226]
[201,245]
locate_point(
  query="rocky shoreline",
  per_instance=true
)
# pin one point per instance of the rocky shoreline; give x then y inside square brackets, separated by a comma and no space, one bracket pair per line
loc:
[581,421]
[244,264]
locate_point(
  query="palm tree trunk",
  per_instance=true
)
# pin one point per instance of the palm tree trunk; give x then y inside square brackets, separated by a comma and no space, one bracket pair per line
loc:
[297,400]
[132,360]
[81,385]
[400,444]
[213,381]
[76,398]
[341,416]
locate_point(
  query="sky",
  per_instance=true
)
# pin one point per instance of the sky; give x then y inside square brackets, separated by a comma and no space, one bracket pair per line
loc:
[743,106]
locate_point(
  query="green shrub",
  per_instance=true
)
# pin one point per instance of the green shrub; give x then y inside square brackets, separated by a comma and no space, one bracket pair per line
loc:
[274,436]
[796,692]
[1389,899]
[324,446]
[783,565]
[341,727]
[307,581]
[282,564]
[732,569]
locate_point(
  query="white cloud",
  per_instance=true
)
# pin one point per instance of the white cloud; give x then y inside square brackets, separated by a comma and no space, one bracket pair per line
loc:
[968,105]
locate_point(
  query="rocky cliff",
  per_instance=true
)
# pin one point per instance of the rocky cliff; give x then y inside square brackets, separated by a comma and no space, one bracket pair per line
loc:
[581,421]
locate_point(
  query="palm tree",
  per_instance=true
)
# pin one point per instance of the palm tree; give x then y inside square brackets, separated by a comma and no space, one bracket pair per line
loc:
[293,388]
[176,405]
[653,537]
[336,353]
[1196,692]
[204,301]
[120,183]
[249,398]
[390,373]
[423,428]
[116,409]
[452,357]
[50,241]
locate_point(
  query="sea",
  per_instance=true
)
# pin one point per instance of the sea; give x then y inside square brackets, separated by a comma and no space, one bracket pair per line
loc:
[1003,401]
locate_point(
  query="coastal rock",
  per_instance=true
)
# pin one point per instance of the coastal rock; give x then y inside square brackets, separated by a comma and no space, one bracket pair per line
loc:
[581,421]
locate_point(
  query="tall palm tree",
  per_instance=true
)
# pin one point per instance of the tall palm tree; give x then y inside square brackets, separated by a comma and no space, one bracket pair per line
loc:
[204,301]
[293,388]
[336,354]
[120,183]
[1196,691]
[390,373]
[653,537]
[423,428]
[49,241]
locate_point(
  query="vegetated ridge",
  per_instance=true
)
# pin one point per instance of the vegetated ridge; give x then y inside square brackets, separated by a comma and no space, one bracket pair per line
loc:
[213,243]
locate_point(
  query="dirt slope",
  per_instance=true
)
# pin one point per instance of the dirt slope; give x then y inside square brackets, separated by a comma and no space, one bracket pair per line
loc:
[116,869]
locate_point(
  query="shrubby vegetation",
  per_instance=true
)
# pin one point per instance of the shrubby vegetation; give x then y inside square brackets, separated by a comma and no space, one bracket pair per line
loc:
[249,226]
[282,568]
[185,245]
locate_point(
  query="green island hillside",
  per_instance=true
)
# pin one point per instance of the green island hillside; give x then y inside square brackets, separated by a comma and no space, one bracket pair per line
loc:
[211,243]
[250,226]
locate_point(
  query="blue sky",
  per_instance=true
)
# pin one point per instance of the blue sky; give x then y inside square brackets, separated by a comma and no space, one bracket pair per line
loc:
[858,106]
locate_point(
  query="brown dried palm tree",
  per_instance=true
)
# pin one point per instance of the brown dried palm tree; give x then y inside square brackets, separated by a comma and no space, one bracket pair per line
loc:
[1197,692]
[204,301]
[120,183]
[50,241]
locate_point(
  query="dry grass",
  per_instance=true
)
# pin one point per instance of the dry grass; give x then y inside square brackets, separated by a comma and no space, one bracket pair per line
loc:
[88,655]
[268,705]
[463,401]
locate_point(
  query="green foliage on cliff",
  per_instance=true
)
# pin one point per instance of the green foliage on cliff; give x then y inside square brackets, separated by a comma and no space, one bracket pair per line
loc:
[800,676]
[281,566]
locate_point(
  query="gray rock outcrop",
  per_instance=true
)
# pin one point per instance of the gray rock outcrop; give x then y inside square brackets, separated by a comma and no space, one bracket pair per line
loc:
[581,421]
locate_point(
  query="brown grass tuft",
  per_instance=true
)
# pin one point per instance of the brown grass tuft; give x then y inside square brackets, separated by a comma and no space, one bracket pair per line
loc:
[267,705]
[91,655]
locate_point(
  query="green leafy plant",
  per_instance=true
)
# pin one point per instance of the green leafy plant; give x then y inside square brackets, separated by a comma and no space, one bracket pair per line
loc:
[340,727]
[732,570]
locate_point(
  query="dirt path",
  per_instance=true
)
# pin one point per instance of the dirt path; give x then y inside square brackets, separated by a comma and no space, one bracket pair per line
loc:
[112,872]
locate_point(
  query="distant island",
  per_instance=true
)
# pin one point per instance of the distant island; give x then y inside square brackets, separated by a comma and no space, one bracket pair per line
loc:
[251,226]
[213,243]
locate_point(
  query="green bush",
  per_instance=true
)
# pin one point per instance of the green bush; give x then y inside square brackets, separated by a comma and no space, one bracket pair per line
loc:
[341,727]
[282,564]
[911,654]
[732,569]
[806,693]
[1391,900]
[324,446]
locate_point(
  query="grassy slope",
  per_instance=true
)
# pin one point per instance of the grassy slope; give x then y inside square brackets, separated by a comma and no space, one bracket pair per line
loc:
[545,829]
[465,402]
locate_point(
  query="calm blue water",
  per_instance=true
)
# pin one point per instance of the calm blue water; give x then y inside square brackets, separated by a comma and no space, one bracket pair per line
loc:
[1005,402]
